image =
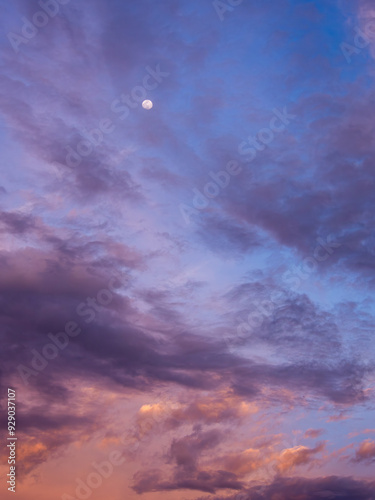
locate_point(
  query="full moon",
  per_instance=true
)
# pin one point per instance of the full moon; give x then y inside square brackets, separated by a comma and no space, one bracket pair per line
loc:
[147,104]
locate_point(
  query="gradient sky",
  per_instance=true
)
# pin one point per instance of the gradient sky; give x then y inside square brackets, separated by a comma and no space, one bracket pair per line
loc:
[233,357]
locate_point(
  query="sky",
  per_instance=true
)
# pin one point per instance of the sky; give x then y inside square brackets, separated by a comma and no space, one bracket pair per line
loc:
[186,291]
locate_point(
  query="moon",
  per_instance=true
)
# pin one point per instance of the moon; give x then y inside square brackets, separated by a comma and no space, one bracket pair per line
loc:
[147,104]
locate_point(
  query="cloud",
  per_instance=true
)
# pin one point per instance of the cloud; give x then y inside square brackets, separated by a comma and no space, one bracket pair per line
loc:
[66,231]
[366,451]
[206,481]
[220,407]
[313,433]
[298,455]
[247,461]
[224,236]
[17,223]
[186,453]
[47,424]
[311,489]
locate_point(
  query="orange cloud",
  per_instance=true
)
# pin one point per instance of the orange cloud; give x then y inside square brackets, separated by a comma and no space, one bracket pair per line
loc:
[248,461]
[223,406]
[208,409]
[31,454]
[298,455]
[313,433]
[338,418]
[366,451]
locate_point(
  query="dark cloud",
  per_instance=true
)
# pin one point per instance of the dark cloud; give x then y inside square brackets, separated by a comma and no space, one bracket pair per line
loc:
[208,482]
[113,345]
[186,452]
[17,223]
[267,314]
[341,382]
[224,236]
[309,489]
